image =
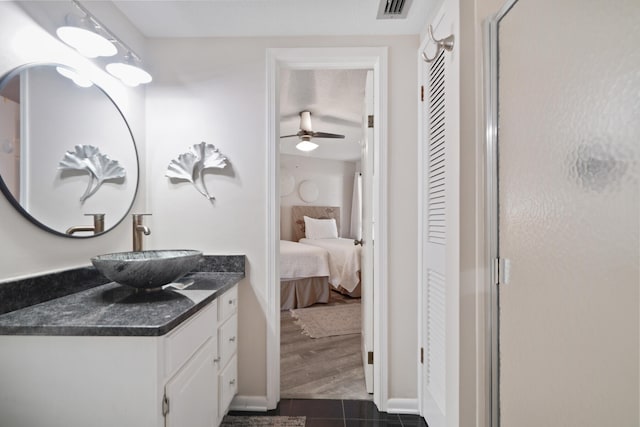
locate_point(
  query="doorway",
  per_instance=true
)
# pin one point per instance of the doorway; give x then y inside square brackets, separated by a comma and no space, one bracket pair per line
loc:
[564,159]
[324,58]
[323,147]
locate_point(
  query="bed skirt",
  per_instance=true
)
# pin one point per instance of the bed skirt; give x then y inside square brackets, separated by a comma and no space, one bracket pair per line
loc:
[356,293]
[297,293]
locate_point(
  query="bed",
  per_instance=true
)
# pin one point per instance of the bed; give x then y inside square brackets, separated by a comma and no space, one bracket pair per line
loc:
[344,263]
[343,256]
[304,275]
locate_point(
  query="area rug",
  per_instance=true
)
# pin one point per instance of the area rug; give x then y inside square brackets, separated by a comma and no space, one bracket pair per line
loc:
[320,322]
[259,421]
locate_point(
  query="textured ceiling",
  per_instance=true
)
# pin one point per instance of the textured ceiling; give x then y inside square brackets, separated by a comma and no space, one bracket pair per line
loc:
[335,99]
[232,18]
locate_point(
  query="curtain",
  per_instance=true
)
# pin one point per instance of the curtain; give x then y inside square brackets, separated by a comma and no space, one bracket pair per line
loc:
[356,207]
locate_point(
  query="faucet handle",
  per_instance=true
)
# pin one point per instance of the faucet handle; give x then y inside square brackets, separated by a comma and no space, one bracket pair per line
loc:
[137,217]
[98,222]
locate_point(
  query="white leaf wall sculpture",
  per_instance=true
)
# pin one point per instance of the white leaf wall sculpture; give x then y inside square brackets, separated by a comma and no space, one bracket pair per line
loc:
[99,166]
[190,166]
[183,167]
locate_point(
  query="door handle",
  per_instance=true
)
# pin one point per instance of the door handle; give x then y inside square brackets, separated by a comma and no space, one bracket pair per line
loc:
[357,242]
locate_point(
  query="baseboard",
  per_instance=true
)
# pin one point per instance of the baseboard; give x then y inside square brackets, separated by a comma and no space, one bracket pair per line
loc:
[249,403]
[403,406]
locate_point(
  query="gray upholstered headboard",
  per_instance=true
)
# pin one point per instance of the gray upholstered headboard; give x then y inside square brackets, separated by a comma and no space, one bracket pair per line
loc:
[318,212]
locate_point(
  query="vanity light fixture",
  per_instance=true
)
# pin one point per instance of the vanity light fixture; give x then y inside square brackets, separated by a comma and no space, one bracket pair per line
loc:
[92,39]
[128,71]
[74,77]
[306,145]
[82,34]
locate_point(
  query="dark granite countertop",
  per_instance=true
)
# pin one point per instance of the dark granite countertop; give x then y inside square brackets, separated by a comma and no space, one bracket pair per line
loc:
[111,309]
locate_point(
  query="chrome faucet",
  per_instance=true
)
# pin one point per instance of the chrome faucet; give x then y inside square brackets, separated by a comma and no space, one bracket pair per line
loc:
[97,228]
[138,230]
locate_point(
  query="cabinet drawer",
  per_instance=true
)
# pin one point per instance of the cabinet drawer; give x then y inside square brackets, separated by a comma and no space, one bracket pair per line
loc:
[228,339]
[183,342]
[227,304]
[228,386]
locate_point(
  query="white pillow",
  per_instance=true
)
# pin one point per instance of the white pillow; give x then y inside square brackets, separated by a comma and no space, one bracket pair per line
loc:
[320,228]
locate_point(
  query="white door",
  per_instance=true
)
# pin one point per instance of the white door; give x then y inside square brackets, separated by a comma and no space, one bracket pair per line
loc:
[192,394]
[368,222]
[568,209]
[439,282]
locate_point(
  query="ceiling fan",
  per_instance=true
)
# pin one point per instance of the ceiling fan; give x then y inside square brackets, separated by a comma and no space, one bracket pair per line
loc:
[306,133]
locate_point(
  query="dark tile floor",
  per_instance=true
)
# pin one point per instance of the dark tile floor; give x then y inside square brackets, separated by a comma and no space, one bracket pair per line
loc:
[339,413]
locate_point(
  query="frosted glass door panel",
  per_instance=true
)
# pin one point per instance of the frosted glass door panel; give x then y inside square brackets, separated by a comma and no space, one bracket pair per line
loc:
[569,213]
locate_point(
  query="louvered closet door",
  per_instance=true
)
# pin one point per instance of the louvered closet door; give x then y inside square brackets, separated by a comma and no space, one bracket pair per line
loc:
[439,277]
[436,237]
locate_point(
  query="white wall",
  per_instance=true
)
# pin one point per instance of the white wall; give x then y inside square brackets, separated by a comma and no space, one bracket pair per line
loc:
[334,179]
[25,249]
[214,90]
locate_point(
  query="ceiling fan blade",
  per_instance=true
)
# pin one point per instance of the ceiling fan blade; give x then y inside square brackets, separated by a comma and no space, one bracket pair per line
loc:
[288,136]
[326,135]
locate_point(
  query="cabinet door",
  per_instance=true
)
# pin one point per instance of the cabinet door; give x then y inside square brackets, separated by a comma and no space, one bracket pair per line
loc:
[193,393]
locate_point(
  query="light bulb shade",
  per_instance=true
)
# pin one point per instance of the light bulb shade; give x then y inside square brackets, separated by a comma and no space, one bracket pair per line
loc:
[74,76]
[78,34]
[129,74]
[305,145]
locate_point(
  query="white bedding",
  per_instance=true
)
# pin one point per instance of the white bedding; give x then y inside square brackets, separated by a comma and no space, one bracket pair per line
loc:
[298,261]
[344,261]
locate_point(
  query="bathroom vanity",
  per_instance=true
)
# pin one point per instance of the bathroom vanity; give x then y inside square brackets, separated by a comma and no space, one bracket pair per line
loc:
[112,356]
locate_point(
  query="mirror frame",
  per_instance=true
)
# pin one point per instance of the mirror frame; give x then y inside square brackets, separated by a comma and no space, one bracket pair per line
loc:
[16,204]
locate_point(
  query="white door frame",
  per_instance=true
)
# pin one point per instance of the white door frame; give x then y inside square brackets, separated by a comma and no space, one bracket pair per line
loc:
[492,324]
[327,58]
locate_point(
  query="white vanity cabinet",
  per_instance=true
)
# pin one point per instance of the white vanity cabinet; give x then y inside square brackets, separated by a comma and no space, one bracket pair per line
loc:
[200,392]
[187,377]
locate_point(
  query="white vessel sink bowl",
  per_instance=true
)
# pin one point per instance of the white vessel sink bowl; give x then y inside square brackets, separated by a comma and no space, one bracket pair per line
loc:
[146,269]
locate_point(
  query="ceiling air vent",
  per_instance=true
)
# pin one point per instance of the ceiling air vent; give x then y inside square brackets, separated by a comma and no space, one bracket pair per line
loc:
[393,9]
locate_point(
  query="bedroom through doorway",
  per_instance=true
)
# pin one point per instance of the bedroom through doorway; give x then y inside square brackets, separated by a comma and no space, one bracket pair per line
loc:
[326,210]
[374,318]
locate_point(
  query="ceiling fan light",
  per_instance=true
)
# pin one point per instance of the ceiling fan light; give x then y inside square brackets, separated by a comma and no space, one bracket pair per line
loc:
[307,146]
[81,35]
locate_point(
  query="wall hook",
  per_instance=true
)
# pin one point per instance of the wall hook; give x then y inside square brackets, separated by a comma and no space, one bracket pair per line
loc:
[445,43]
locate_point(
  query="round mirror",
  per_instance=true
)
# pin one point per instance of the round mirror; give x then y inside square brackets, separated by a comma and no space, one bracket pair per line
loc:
[68,160]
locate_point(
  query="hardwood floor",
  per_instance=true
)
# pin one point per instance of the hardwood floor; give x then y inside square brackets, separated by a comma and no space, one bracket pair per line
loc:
[320,368]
